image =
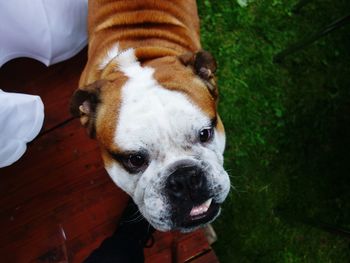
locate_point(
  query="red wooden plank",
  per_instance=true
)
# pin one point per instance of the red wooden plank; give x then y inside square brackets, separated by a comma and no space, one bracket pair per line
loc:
[82,246]
[163,241]
[163,256]
[54,84]
[51,152]
[183,247]
[208,257]
[191,245]
[59,185]
[51,234]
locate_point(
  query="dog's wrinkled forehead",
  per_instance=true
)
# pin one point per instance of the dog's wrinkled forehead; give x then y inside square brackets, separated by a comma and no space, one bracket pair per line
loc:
[151,114]
[156,109]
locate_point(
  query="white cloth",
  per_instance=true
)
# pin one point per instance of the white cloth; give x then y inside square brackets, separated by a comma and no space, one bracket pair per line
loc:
[47,30]
[21,118]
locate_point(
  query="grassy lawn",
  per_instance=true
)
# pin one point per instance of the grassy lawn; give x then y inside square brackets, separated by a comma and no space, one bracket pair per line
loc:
[288,130]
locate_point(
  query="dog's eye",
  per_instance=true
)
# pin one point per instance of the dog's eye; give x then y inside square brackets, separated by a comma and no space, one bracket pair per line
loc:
[135,162]
[206,134]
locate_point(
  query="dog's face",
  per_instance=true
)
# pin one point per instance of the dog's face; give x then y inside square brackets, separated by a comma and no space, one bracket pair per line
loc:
[161,138]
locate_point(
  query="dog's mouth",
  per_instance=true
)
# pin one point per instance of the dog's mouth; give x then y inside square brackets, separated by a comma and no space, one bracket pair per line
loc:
[201,214]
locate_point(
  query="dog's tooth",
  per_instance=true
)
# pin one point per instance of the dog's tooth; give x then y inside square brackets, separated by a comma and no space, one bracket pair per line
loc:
[194,211]
[208,203]
[197,210]
[205,206]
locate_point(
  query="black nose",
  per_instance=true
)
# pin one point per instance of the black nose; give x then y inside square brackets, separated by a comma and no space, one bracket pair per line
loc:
[185,182]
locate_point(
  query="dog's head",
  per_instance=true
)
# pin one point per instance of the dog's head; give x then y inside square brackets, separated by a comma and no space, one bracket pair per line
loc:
[161,138]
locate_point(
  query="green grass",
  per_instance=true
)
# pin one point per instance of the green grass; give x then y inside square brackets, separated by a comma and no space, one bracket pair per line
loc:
[288,130]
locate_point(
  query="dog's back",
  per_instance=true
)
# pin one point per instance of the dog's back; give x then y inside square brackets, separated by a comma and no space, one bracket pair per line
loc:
[152,28]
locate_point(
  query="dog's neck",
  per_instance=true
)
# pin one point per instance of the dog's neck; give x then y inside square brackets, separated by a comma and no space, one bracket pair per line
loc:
[153,29]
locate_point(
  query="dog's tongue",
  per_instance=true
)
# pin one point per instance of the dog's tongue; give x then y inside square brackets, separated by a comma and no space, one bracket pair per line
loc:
[201,209]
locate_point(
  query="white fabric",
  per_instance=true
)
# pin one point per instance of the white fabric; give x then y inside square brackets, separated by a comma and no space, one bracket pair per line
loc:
[47,30]
[21,118]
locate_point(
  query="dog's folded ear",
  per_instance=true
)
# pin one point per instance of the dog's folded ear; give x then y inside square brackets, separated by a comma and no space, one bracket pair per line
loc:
[84,103]
[204,65]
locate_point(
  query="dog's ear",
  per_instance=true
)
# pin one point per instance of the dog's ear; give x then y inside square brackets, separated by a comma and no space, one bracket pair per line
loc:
[204,65]
[84,103]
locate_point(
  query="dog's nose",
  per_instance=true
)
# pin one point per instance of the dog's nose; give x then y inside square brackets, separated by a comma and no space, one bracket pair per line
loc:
[185,182]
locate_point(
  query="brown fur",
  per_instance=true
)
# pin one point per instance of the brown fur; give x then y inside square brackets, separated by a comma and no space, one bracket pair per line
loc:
[183,80]
[153,28]
[107,118]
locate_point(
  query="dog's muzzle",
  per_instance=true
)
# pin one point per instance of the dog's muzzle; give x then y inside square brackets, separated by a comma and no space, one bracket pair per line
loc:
[190,199]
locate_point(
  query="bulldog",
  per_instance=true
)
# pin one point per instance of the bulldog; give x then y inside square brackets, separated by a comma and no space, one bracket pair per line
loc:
[148,95]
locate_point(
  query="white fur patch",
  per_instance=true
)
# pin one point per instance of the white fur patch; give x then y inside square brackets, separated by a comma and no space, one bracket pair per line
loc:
[122,58]
[111,54]
[151,114]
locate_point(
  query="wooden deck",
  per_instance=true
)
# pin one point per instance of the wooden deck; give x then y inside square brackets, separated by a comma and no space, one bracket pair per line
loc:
[57,203]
